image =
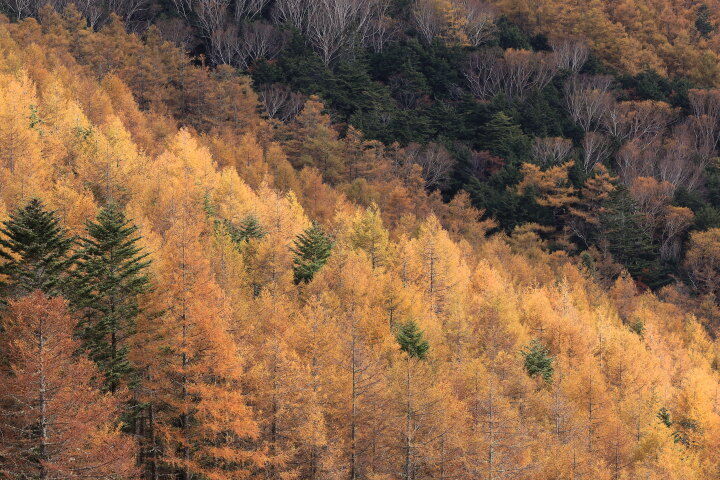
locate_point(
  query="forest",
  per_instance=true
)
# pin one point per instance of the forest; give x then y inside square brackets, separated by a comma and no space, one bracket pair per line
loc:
[359,239]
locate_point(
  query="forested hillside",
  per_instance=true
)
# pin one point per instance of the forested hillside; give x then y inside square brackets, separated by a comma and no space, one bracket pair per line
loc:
[469,250]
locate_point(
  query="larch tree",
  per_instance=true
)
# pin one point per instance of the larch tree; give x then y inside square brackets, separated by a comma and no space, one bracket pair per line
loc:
[54,424]
[204,424]
[110,275]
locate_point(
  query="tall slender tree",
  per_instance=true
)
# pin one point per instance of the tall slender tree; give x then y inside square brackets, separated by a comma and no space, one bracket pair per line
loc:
[54,423]
[109,279]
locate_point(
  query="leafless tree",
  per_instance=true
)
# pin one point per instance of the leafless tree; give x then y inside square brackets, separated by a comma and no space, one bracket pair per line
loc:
[551,151]
[126,9]
[480,22]
[676,222]
[645,120]
[176,31]
[651,199]
[380,28]
[259,40]
[588,99]
[291,12]
[484,74]
[570,53]
[19,8]
[249,8]
[225,45]
[634,161]
[595,149]
[184,8]
[334,26]
[92,10]
[280,102]
[211,15]
[435,161]
[428,20]
[516,73]
[483,164]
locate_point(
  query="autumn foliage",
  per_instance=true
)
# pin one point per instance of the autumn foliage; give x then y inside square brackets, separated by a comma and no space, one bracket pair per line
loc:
[313,312]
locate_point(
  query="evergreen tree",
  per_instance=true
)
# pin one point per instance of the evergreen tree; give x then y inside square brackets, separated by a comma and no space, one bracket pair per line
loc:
[630,243]
[36,250]
[249,228]
[110,277]
[312,250]
[538,361]
[411,341]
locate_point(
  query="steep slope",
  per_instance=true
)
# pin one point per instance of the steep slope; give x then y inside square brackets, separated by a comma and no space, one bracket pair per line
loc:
[534,369]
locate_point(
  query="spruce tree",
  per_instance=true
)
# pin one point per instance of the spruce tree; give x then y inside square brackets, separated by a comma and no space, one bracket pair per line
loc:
[36,251]
[110,277]
[411,341]
[312,250]
[538,361]
[248,229]
[623,231]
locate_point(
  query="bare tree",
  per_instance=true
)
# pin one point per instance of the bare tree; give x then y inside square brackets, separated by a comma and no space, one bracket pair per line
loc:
[249,8]
[516,73]
[588,99]
[210,15]
[676,222]
[484,74]
[280,102]
[176,31]
[480,21]
[291,12]
[435,161]
[634,160]
[645,120]
[20,8]
[334,26]
[428,20]
[225,45]
[651,198]
[551,151]
[570,53]
[126,9]
[259,40]
[595,149]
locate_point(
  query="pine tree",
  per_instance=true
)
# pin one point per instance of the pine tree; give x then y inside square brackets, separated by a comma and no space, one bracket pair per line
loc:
[110,277]
[37,251]
[312,250]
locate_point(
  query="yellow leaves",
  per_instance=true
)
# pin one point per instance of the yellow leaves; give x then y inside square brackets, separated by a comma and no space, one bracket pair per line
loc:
[550,187]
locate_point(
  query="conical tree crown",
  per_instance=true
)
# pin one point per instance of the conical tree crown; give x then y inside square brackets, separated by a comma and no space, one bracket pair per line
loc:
[110,276]
[37,251]
[312,250]
[248,229]
[411,341]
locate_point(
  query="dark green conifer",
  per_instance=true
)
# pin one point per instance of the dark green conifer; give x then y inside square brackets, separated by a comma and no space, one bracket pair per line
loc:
[538,361]
[312,250]
[111,274]
[36,251]
[411,341]
[248,229]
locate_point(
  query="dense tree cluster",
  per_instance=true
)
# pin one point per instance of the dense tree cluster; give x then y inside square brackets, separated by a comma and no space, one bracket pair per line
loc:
[193,290]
